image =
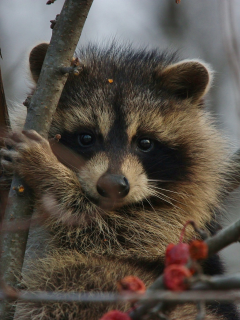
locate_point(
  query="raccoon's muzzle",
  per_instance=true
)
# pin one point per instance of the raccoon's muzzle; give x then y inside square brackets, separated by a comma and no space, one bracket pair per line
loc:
[113,186]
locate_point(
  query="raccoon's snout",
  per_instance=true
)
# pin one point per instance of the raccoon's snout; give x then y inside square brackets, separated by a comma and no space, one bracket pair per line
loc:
[113,186]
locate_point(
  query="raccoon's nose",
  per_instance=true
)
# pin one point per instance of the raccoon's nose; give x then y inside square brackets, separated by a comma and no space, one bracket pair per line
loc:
[113,186]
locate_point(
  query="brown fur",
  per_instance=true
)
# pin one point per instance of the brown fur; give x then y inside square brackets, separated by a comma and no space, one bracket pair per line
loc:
[97,240]
[74,269]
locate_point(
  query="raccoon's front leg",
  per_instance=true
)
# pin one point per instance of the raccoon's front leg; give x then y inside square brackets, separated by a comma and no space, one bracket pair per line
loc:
[31,157]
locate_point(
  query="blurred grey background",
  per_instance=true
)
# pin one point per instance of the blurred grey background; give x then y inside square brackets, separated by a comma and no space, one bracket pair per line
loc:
[207,30]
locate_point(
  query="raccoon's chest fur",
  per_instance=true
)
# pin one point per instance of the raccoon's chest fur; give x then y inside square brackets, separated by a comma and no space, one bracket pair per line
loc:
[139,157]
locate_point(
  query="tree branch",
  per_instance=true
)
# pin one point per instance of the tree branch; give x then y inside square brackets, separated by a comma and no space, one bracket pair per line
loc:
[220,288]
[4,124]
[4,118]
[223,238]
[66,34]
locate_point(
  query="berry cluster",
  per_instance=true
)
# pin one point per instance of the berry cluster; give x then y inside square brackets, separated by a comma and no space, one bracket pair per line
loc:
[177,261]
[179,266]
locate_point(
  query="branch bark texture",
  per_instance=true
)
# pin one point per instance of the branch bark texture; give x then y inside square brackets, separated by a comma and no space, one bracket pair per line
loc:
[4,124]
[66,34]
[106,297]
[4,119]
[223,238]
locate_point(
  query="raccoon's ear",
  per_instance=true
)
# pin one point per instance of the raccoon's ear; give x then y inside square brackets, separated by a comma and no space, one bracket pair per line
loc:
[36,59]
[187,79]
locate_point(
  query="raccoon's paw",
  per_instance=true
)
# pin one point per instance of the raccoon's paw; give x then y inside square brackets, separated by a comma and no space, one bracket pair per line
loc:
[7,164]
[5,176]
[26,153]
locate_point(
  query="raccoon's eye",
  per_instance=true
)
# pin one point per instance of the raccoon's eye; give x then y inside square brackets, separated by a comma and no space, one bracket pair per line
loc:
[145,144]
[85,140]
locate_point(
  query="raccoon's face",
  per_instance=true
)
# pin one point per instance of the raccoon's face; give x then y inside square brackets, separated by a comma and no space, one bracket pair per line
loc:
[136,141]
[124,152]
[134,131]
[141,138]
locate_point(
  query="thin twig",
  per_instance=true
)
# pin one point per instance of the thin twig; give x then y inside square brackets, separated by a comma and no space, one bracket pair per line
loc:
[106,297]
[4,117]
[201,306]
[223,238]
[4,124]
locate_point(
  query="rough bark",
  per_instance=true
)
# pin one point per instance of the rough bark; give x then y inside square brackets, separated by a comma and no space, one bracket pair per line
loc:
[66,34]
[4,124]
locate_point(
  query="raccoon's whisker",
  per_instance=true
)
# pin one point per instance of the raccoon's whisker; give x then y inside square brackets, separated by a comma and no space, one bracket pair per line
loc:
[152,189]
[157,195]
[185,196]
[175,206]
[149,202]
[159,180]
[163,195]
[181,194]
[168,190]
[143,205]
[175,192]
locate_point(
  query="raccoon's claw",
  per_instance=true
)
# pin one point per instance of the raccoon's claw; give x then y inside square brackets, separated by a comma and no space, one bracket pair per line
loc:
[27,139]
[8,157]
[24,152]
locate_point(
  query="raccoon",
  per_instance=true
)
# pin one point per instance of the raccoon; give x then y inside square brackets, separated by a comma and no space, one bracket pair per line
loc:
[138,156]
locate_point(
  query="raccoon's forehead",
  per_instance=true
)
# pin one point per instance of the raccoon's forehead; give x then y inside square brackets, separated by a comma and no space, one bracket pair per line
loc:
[103,111]
[115,90]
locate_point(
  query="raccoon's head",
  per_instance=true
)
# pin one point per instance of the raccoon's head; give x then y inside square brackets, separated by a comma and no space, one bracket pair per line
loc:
[143,139]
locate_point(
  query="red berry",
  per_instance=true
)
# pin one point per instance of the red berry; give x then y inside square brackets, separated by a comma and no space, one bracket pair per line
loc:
[131,284]
[115,315]
[198,250]
[177,254]
[174,277]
